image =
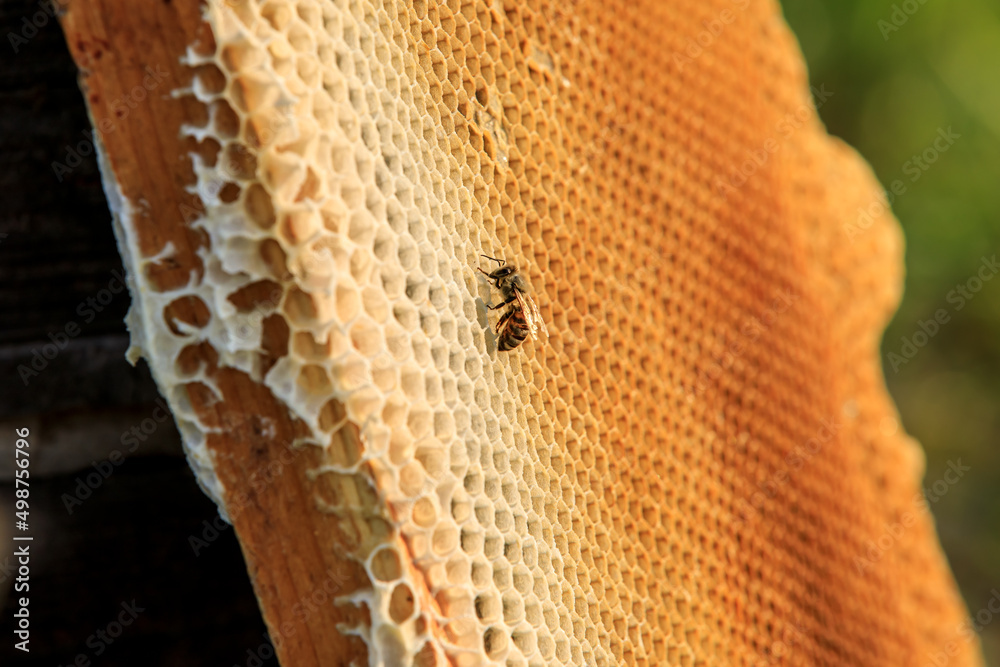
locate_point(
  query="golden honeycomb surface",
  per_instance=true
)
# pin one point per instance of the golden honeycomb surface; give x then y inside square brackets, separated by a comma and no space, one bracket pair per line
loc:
[692,467]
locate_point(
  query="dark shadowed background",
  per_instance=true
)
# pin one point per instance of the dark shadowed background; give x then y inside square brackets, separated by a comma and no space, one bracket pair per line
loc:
[127,566]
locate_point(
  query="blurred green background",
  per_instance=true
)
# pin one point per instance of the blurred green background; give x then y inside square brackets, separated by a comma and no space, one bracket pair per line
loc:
[899,73]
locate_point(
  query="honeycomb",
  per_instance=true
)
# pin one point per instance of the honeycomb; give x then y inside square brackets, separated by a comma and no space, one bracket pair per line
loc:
[690,468]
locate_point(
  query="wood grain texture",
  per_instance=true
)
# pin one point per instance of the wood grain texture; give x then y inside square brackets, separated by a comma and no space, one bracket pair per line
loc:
[129,61]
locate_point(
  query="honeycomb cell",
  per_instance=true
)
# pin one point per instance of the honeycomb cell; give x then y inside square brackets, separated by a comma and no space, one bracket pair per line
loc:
[445,540]
[185,314]
[412,478]
[401,603]
[609,494]
[424,513]
[495,641]
[332,416]
[222,120]
[209,79]
[195,357]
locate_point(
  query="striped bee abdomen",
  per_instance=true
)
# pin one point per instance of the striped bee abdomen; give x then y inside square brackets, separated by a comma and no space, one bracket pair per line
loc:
[512,329]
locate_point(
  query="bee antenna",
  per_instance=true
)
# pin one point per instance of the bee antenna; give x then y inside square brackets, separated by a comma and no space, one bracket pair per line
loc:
[498,261]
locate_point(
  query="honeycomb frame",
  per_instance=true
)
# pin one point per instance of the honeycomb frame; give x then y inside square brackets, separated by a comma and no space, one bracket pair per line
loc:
[684,472]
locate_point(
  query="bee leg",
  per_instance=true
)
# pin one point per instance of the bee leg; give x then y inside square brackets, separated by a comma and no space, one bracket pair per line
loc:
[495,283]
[503,318]
[501,305]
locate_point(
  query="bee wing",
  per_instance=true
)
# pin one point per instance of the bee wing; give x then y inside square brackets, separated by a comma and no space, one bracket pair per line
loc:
[531,314]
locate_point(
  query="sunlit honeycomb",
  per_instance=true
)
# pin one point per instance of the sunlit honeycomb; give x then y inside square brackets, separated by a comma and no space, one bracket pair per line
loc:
[590,499]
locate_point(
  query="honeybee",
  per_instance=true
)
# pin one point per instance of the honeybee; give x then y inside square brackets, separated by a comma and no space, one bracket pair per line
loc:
[522,317]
